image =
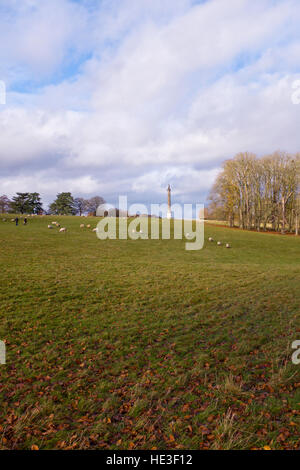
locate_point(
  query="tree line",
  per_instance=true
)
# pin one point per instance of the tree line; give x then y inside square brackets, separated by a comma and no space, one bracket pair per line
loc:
[64,204]
[249,192]
[258,193]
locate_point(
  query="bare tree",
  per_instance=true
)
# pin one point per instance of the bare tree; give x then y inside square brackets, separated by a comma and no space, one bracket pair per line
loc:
[94,203]
[4,204]
[81,205]
[255,192]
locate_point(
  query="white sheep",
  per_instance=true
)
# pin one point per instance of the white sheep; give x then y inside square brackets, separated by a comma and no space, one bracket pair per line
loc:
[228,245]
[53,223]
[63,229]
[210,239]
[95,230]
[219,243]
[81,225]
[88,226]
[50,226]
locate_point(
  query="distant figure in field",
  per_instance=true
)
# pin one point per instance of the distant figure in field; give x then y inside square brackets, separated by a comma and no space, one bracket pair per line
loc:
[17,221]
[25,221]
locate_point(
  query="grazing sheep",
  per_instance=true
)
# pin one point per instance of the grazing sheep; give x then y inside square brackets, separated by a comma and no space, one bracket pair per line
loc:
[63,229]
[50,226]
[95,230]
[12,220]
[53,223]
[219,243]
[88,226]
[210,239]
[228,245]
[81,225]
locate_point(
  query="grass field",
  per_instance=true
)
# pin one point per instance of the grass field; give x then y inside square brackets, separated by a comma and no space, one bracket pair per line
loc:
[142,345]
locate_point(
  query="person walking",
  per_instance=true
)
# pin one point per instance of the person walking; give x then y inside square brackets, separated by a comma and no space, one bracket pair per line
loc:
[17,221]
[25,221]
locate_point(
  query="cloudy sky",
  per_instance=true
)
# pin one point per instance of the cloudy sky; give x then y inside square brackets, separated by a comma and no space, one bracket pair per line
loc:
[117,97]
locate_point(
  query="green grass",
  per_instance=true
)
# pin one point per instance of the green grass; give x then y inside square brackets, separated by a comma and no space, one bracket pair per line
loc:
[121,344]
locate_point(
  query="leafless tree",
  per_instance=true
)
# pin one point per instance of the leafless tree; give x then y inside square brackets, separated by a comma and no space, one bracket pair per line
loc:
[259,192]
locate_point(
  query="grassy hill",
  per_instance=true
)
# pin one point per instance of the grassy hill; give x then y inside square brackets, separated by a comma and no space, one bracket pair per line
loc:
[123,344]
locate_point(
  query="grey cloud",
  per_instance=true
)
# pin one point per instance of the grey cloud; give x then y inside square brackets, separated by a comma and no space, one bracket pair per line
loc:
[165,103]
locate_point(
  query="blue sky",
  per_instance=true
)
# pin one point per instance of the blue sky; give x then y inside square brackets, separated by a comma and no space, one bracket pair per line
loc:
[125,96]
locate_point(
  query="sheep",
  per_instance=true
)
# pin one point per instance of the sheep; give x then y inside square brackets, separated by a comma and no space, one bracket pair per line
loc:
[53,223]
[50,226]
[63,229]
[210,239]
[81,225]
[88,226]
[228,245]
[95,230]
[219,243]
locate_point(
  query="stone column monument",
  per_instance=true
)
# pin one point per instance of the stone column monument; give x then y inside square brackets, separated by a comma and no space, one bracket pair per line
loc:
[169,213]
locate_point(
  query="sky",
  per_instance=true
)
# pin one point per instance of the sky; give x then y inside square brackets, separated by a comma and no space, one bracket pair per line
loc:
[123,97]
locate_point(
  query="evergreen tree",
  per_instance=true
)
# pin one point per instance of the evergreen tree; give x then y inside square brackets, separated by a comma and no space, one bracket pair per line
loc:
[64,204]
[27,203]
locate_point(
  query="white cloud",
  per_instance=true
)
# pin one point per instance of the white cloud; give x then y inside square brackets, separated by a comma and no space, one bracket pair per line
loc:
[39,182]
[38,36]
[169,91]
[185,180]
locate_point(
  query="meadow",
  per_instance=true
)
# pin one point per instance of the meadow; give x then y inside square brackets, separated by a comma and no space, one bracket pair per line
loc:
[123,344]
